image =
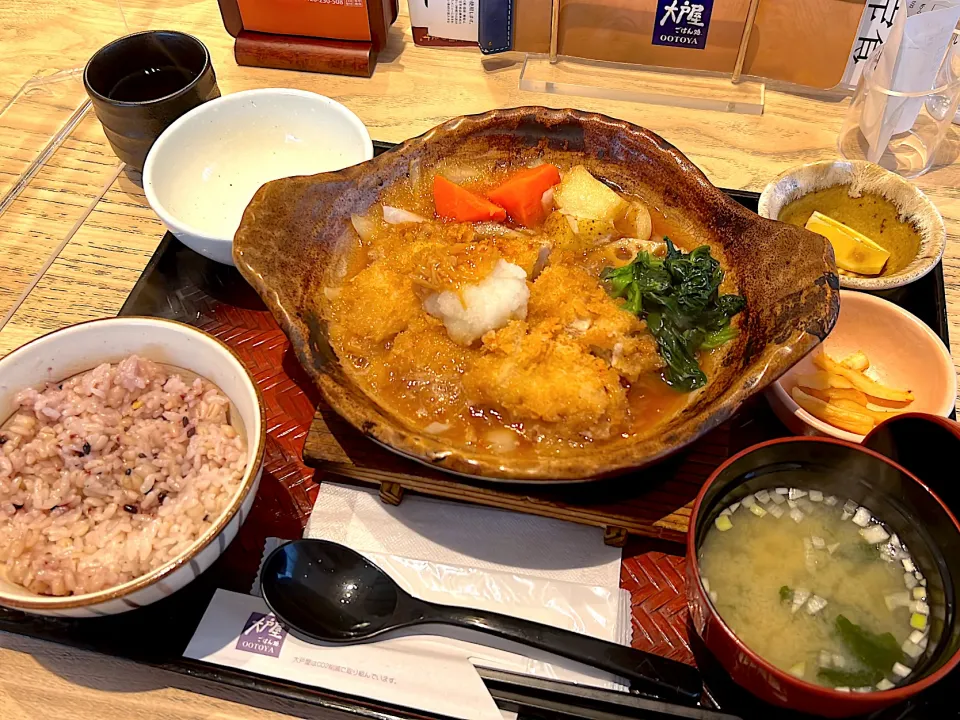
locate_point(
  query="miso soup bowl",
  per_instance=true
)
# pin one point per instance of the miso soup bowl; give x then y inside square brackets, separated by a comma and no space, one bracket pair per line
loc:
[896,496]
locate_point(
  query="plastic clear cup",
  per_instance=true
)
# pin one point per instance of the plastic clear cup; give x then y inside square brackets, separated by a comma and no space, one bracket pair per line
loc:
[910,136]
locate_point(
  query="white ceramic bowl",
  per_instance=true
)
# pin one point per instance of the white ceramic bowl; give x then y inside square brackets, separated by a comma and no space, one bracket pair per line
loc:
[914,206]
[204,169]
[903,352]
[78,348]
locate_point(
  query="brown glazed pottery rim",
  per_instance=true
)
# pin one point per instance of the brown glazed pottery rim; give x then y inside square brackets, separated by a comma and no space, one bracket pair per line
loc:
[295,231]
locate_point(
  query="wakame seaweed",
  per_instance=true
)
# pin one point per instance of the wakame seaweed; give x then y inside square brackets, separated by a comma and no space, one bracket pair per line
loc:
[679,297]
[879,652]
[850,678]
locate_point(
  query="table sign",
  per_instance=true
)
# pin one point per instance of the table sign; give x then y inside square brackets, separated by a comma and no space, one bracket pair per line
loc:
[634,50]
[444,23]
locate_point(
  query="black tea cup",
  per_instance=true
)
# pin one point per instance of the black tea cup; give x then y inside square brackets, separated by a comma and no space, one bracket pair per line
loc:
[141,83]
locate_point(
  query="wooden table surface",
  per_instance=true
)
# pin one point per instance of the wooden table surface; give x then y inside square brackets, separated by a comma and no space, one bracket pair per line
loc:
[76,238]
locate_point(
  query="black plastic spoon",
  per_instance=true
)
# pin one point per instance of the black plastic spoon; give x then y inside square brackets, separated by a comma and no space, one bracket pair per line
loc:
[324,591]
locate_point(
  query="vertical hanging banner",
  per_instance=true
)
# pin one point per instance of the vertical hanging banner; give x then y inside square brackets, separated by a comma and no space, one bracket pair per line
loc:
[875,26]
[682,23]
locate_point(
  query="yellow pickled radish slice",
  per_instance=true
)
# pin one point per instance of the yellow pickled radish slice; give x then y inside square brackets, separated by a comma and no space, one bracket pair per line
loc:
[854,251]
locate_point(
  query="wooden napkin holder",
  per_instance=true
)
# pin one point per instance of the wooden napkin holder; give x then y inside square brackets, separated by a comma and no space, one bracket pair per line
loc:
[339,39]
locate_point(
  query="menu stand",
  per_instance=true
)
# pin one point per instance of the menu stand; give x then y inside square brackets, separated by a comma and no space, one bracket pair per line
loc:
[701,90]
[696,89]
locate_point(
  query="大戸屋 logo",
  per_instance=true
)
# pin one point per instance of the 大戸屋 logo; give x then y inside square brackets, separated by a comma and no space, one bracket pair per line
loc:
[262,634]
[682,23]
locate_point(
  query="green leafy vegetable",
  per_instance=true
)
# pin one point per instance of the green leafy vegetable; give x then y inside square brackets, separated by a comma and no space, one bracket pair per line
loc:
[785,594]
[718,338]
[879,652]
[679,298]
[859,552]
[850,678]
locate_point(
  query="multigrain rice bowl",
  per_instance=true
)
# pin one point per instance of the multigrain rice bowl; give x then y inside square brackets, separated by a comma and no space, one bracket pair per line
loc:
[131,451]
[113,473]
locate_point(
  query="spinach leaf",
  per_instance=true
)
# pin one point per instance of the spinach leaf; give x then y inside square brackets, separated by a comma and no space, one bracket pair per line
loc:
[785,593]
[719,337]
[850,678]
[679,297]
[876,651]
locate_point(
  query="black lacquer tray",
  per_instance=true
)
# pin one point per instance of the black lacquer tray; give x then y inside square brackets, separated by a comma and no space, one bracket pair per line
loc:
[180,284]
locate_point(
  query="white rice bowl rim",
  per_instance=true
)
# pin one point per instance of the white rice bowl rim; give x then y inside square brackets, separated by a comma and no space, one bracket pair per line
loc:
[255,434]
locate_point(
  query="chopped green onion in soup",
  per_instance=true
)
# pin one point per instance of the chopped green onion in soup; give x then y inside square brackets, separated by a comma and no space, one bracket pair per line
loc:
[819,587]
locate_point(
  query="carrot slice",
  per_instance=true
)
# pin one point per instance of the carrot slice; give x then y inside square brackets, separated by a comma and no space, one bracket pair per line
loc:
[520,194]
[456,203]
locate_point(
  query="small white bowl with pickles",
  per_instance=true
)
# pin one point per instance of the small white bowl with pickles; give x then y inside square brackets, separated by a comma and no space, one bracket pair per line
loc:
[879,361]
[904,230]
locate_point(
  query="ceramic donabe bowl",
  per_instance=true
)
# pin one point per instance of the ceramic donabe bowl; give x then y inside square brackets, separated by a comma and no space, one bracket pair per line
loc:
[295,235]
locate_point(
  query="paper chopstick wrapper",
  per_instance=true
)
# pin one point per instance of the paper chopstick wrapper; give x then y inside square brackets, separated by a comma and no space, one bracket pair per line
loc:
[432,669]
[239,631]
[909,62]
[541,569]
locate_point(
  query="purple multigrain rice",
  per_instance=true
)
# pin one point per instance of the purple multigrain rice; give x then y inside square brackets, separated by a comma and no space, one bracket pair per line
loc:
[79,454]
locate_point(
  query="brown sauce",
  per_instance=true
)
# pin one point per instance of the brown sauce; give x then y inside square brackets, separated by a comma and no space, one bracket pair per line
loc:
[870,214]
[405,361]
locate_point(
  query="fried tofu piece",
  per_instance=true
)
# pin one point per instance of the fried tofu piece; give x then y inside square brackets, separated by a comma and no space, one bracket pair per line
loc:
[379,302]
[540,377]
[593,319]
[423,367]
[520,249]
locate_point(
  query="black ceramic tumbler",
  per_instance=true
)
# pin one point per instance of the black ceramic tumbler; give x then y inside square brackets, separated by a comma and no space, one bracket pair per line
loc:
[141,83]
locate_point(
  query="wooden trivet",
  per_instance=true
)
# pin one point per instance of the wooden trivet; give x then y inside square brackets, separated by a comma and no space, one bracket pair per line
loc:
[652,503]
